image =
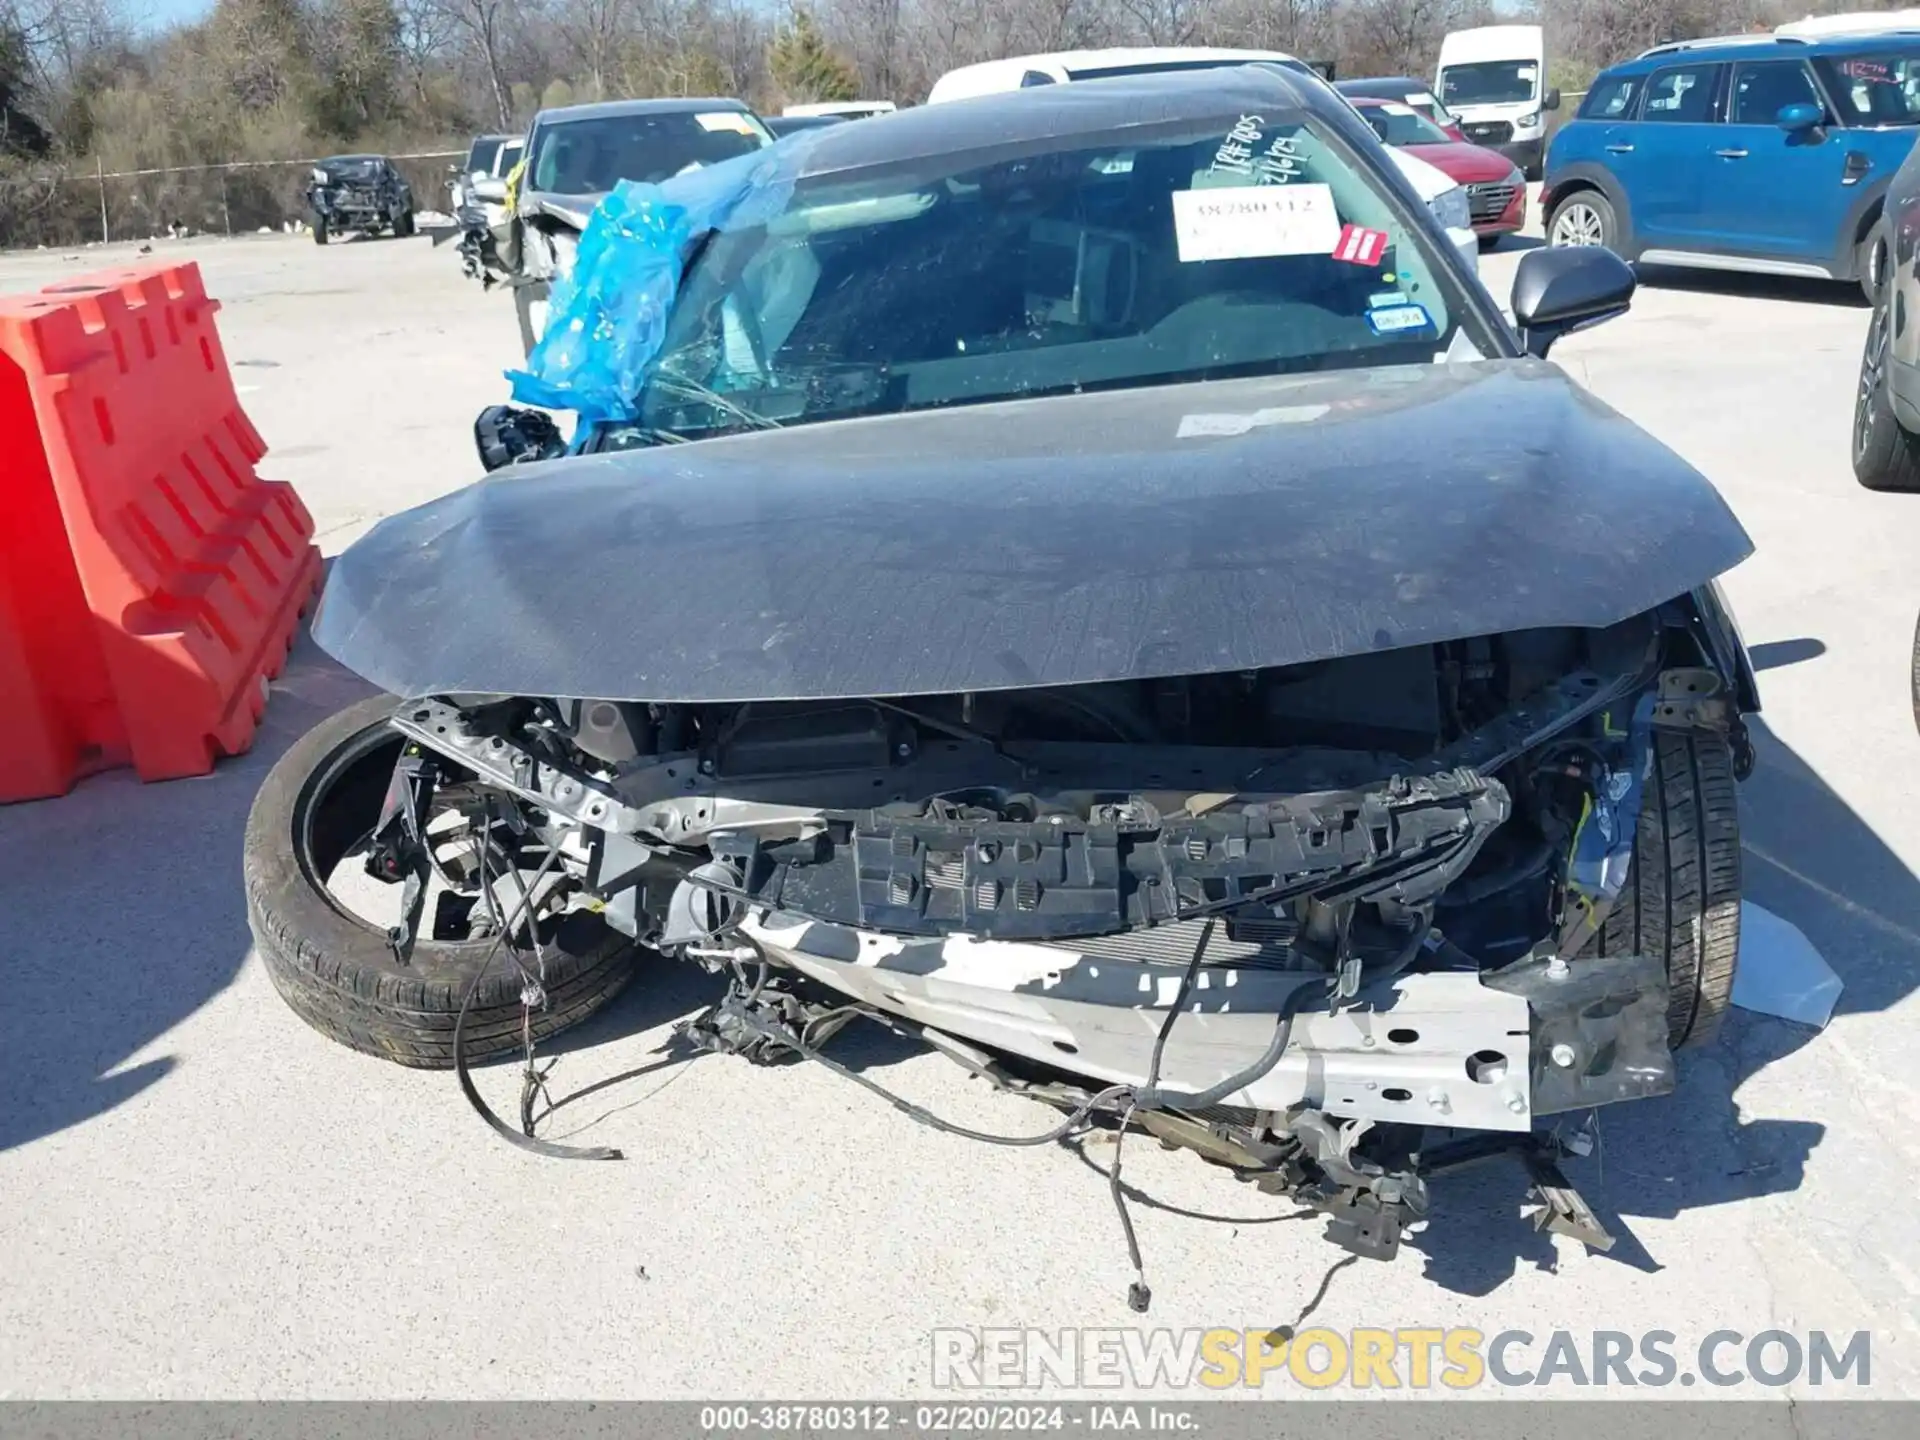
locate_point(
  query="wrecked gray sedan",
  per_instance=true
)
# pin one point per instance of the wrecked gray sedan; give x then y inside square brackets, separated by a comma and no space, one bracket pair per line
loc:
[1135,617]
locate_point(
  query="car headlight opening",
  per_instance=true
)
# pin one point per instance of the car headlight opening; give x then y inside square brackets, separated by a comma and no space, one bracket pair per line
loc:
[1450,208]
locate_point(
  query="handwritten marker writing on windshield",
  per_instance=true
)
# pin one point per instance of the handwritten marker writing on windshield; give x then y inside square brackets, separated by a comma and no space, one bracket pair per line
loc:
[1360,246]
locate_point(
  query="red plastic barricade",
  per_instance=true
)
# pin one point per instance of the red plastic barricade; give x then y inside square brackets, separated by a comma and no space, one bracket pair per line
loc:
[150,581]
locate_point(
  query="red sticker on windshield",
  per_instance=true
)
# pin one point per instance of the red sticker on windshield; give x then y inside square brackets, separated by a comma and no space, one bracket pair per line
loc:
[1360,246]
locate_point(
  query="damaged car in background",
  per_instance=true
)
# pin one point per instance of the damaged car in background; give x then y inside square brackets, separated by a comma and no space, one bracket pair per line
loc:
[576,154]
[1158,636]
[359,192]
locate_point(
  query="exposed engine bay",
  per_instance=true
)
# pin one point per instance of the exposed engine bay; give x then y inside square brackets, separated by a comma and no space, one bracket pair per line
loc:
[1295,918]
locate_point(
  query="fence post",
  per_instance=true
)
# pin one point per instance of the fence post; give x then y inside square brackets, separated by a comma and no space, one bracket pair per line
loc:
[100,174]
[226,214]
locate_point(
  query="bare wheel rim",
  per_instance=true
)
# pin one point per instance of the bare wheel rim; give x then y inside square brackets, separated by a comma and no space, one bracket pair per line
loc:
[1873,364]
[1578,224]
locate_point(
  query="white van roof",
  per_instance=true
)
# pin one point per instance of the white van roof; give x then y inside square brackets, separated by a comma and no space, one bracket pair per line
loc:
[1859,23]
[1493,42]
[842,107]
[991,77]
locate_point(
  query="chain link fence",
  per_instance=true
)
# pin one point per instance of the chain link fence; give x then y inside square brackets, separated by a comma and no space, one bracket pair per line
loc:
[237,198]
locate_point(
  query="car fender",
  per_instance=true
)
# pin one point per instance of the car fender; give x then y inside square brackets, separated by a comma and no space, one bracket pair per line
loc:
[1720,633]
[1584,174]
[1846,239]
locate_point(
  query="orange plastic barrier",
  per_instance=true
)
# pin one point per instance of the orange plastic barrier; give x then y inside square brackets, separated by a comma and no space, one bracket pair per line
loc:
[150,581]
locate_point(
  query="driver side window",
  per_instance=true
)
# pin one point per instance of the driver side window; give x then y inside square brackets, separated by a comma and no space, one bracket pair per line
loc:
[1761,91]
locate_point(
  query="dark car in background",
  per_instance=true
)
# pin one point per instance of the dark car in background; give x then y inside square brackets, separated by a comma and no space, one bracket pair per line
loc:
[1886,407]
[1417,95]
[359,192]
[1496,188]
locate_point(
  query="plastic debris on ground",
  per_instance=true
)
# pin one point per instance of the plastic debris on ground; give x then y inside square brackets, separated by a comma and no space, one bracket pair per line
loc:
[607,319]
[1781,972]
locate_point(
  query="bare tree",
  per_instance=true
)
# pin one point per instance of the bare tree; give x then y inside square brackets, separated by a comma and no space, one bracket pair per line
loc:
[595,35]
[485,24]
[1166,22]
[427,36]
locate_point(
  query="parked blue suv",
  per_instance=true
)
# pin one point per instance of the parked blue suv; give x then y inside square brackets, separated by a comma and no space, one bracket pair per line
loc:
[1760,152]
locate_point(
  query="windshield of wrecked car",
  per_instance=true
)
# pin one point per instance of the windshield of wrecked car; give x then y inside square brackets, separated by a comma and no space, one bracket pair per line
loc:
[1489,82]
[1248,248]
[590,157]
[1879,89]
[1402,125]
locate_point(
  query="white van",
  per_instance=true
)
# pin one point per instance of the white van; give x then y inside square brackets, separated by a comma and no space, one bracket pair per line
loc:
[1492,79]
[1868,22]
[1447,200]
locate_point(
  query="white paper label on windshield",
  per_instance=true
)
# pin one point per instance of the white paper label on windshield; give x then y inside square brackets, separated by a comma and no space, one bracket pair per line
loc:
[724,120]
[1250,222]
[1392,109]
[1421,99]
[1527,72]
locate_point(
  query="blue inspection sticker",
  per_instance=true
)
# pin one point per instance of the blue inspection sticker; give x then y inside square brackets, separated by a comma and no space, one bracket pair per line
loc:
[1399,319]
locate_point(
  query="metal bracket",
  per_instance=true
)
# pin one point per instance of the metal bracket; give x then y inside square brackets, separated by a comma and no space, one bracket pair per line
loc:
[1562,1209]
[1363,1224]
[1692,700]
[510,767]
[399,849]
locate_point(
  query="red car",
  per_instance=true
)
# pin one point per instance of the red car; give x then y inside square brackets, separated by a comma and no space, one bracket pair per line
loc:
[1496,190]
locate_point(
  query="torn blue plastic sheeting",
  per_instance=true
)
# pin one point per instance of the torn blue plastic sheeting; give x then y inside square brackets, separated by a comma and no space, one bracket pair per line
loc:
[607,320]
[1780,972]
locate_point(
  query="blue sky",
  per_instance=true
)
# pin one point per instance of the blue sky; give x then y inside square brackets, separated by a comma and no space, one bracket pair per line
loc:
[165,12]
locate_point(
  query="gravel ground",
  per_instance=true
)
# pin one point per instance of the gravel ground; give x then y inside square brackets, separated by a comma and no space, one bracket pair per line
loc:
[204,1199]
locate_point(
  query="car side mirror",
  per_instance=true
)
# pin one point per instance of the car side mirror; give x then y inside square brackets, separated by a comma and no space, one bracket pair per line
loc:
[507,435]
[1551,101]
[1565,288]
[1801,115]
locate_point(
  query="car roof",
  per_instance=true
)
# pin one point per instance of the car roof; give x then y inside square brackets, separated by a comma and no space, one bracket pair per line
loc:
[609,109]
[1118,56]
[1738,47]
[1107,107]
[331,158]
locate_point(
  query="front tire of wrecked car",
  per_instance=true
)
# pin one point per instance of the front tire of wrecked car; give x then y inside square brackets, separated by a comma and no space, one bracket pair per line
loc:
[336,970]
[319,229]
[1681,901]
[1886,456]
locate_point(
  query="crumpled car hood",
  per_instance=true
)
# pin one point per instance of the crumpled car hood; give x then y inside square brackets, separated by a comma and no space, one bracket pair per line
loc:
[1118,535]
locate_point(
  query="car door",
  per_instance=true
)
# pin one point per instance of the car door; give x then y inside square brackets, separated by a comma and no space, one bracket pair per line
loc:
[1778,193]
[1672,156]
[1602,132]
